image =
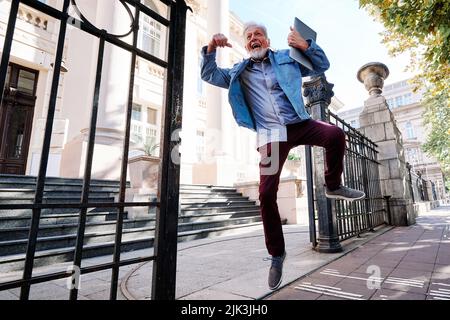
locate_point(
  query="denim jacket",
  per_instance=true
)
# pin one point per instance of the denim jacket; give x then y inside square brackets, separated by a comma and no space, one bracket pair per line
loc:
[289,74]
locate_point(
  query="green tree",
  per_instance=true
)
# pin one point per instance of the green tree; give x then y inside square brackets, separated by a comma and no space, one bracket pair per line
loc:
[422,29]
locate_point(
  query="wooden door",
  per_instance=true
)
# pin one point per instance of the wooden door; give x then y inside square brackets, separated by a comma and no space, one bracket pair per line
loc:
[16,119]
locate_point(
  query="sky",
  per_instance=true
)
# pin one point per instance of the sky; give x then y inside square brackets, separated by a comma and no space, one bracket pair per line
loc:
[349,36]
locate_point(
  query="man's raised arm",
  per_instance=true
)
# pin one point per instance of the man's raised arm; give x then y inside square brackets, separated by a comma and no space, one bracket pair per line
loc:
[312,50]
[210,72]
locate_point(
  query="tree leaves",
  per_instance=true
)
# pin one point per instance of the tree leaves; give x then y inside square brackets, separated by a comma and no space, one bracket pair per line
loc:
[422,28]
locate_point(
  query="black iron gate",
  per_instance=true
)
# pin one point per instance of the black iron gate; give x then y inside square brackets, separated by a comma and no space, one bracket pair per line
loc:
[165,245]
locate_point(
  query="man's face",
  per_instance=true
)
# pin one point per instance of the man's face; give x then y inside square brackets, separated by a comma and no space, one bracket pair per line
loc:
[256,40]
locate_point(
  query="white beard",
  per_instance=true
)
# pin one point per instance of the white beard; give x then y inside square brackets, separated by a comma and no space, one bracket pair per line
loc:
[258,53]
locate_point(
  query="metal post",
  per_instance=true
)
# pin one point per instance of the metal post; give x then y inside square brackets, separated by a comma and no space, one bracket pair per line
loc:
[310,188]
[40,183]
[88,167]
[318,93]
[388,209]
[408,166]
[164,266]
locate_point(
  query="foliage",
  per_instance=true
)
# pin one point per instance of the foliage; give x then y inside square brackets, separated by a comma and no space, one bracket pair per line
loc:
[422,29]
[437,115]
[293,156]
[150,149]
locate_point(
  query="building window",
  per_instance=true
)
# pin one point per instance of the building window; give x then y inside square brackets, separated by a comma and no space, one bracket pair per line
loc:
[409,130]
[152,116]
[150,37]
[353,123]
[407,99]
[199,79]
[398,101]
[200,149]
[136,112]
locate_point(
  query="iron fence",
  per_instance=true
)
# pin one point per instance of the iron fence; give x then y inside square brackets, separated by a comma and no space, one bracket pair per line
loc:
[361,173]
[342,219]
[165,245]
[419,186]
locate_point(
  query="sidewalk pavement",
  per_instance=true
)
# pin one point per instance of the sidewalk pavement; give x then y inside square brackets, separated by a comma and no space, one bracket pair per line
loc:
[232,267]
[413,263]
[405,263]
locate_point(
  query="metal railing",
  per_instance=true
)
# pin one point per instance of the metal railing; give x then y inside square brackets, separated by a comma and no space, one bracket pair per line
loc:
[419,186]
[333,221]
[360,172]
[165,245]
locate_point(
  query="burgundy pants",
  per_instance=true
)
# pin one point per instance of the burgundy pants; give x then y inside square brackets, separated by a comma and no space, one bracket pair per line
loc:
[309,132]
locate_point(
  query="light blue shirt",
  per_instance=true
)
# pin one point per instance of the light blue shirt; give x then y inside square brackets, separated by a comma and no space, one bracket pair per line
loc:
[270,106]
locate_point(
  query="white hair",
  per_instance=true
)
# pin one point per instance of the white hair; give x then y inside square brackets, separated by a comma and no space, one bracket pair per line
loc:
[253,24]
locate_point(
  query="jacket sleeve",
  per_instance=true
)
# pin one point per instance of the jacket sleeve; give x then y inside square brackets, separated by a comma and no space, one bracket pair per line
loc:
[318,58]
[211,73]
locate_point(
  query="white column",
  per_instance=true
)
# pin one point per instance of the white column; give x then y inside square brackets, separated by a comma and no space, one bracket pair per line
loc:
[116,69]
[219,115]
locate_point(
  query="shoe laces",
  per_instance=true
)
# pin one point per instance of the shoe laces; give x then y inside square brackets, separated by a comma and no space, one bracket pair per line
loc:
[277,262]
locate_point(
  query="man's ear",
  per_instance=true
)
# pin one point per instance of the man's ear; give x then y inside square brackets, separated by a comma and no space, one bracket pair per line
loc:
[268,41]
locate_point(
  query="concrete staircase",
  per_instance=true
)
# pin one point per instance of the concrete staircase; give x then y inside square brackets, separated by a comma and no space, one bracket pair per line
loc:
[205,211]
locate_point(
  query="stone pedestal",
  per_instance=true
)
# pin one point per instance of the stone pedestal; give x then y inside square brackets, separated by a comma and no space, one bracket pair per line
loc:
[144,177]
[291,198]
[377,122]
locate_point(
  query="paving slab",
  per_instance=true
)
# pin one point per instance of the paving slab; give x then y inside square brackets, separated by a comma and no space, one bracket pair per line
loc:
[404,263]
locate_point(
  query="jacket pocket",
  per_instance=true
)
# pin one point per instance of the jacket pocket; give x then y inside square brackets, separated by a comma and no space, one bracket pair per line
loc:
[284,59]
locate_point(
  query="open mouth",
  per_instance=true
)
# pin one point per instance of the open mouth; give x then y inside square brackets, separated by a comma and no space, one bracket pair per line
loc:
[256,46]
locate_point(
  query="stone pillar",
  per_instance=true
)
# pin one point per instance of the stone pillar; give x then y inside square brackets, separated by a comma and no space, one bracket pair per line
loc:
[318,93]
[217,101]
[220,165]
[377,122]
[113,99]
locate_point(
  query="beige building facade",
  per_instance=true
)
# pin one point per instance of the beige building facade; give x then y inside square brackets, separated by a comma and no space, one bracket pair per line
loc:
[408,109]
[214,150]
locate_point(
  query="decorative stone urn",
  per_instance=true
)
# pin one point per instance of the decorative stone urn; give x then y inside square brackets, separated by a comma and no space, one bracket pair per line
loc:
[373,75]
[293,167]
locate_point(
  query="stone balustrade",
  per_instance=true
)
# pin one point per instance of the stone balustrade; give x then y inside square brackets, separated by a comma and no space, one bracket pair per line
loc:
[33,17]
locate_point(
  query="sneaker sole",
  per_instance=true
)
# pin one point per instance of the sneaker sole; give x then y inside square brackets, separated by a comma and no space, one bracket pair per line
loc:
[331,196]
[278,284]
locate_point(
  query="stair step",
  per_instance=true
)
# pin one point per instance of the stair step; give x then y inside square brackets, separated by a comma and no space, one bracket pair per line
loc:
[56,219]
[212,195]
[42,258]
[215,203]
[203,210]
[217,216]
[28,194]
[55,199]
[56,186]
[69,240]
[197,225]
[213,200]
[56,180]
[207,187]
[45,242]
[19,233]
